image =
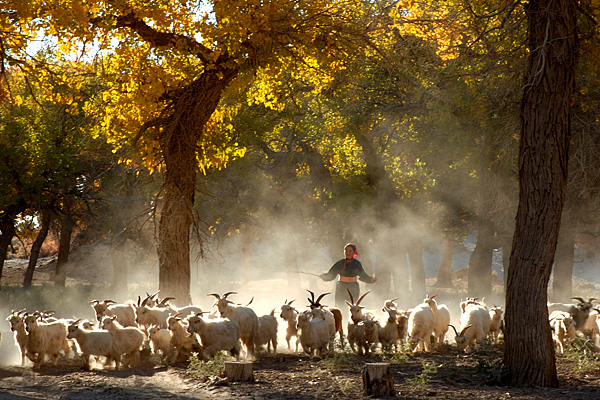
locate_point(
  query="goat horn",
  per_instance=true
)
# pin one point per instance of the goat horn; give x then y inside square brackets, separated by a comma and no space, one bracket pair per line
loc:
[592,299]
[227,294]
[215,294]
[94,301]
[362,297]
[291,301]
[250,302]
[320,297]
[109,302]
[465,329]
[164,301]
[145,302]
[452,326]
[578,299]
[350,294]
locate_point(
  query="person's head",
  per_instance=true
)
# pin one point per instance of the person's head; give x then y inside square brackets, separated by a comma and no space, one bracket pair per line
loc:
[350,251]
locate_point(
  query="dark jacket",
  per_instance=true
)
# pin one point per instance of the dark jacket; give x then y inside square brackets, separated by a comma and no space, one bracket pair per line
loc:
[353,268]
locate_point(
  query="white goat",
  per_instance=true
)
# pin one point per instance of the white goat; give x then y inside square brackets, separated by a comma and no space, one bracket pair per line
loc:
[290,315]
[146,316]
[563,328]
[160,340]
[45,338]
[496,322]
[475,324]
[124,312]
[356,316]
[389,334]
[421,325]
[580,311]
[182,343]
[130,340]
[313,333]
[17,326]
[96,343]
[245,317]
[591,327]
[441,315]
[267,332]
[216,334]
[331,315]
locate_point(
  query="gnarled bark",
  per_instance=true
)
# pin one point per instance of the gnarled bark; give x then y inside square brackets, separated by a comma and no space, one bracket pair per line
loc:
[190,112]
[529,358]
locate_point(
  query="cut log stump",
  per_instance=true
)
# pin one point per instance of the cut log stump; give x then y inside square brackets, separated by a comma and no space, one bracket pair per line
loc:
[378,380]
[239,371]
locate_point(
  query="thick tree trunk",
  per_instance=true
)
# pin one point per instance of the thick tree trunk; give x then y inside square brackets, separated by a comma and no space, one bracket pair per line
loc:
[562,285]
[64,248]
[191,110]
[480,262]
[120,269]
[245,261]
[7,232]
[529,358]
[45,220]
[400,275]
[417,268]
[383,266]
[444,274]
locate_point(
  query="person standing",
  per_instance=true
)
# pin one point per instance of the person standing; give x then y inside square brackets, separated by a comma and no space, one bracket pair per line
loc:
[349,270]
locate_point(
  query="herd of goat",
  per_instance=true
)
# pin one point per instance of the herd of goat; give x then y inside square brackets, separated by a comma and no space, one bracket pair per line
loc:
[122,331]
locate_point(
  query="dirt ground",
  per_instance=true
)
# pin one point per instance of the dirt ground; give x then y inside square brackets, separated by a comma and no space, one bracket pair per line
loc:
[446,374]
[290,376]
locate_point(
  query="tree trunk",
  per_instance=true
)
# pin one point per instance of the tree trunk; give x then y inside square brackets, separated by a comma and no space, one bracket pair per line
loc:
[444,274]
[383,264]
[191,110]
[245,261]
[7,232]
[417,269]
[45,220]
[480,263]
[529,358]
[64,247]
[562,285]
[400,275]
[120,268]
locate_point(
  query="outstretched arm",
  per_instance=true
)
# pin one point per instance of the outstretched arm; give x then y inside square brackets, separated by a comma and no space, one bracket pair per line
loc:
[333,272]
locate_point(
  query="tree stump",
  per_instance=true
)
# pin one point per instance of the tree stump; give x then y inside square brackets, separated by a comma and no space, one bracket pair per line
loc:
[239,371]
[378,380]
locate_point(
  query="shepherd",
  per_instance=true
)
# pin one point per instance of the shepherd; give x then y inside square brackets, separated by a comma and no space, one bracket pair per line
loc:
[348,269]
